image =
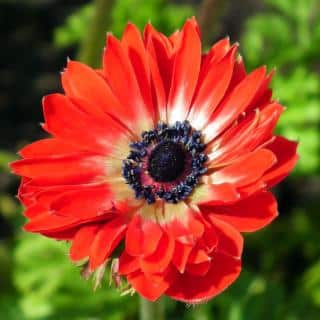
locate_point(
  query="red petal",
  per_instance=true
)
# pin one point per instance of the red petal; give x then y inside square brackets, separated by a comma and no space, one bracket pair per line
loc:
[186,228]
[215,194]
[199,269]
[250,214]
[85,203]
[61,169]
[157,84]
[44,195]
[35,210]
[65,121]
[160,50]
[194,289]
[209,241]
[160,259]
[234,104]
[48,222]
[133,44]
[195,25]
[215,54]
[48,147]
[82,242]
[250,189]
[230,241]
[150,287]
[24,195]
[106,240]
[246,136]
[121,77]
[181,256]
[128,264]
[239,73]
[152,234]
[175,39]
[198,256]
[80,82]
[66,235]
[286,153]
[268,119]
[185,74]
[212,90]
[134,237]
[256,102]
[246,170]
[142,237]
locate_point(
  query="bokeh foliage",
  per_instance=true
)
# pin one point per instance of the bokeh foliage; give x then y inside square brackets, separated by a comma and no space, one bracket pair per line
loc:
[165,16]
[287,36]
[281,277]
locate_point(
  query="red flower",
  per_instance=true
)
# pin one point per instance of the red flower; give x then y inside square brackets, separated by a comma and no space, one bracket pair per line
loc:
[165,150]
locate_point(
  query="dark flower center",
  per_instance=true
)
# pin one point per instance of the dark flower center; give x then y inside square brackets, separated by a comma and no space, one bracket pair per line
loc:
[167,161]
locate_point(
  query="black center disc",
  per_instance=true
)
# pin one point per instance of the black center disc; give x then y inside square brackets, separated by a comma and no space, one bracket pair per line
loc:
[167,161]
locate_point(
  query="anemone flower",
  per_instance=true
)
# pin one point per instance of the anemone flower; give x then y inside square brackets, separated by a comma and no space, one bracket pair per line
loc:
[157,162]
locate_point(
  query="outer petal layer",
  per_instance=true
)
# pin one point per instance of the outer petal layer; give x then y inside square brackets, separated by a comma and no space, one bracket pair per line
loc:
[247,215]
[194,289]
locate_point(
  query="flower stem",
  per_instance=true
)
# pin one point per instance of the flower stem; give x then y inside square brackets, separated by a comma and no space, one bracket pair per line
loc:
[93,42]
[152,310]
[209,18]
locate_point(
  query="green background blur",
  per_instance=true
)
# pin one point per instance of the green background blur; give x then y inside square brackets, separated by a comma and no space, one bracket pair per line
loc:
[281,272]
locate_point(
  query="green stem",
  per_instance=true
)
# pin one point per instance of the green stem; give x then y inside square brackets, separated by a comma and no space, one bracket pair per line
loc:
[209,17]
[93,42]
[152,310]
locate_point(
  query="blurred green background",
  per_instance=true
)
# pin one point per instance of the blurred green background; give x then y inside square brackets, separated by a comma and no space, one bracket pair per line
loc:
[281,274]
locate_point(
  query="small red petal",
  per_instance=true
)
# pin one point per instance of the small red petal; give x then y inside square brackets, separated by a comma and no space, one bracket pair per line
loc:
[161,258]
[189,288]
[128,264]
[230,241]
[256,101]
[181,256]
[150,287]
[82,242]
[239,73]
[198,256]
[286,154]
[199,269]
[106,241]
[186,231]
[215,54]
[142,237]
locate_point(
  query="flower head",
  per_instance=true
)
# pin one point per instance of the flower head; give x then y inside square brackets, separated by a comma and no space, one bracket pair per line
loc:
[158,160]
